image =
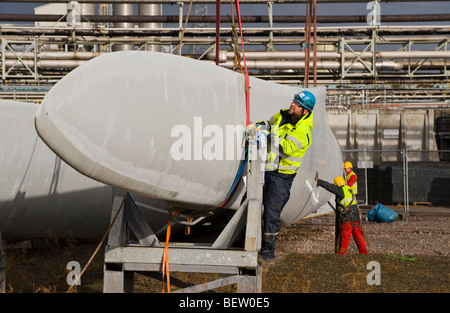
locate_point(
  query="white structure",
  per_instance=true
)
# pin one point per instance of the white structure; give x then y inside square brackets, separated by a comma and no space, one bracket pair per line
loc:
[117,119]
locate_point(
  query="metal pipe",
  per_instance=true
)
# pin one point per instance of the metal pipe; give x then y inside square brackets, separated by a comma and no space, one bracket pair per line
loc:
[307,42]
[48,64]
[251,64]
[217,44]
[150,10]
[60,55]
[123,10]
[315,43]
[252,55]
[86,10]
[205,32]
[146,10]
[149,18]
[331,65]
[300,55]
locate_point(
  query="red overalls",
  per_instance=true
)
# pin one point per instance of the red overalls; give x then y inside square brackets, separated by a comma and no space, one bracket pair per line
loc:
[349,224]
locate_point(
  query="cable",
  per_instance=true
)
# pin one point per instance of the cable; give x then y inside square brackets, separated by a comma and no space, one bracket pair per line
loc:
[236,180]
[247,84]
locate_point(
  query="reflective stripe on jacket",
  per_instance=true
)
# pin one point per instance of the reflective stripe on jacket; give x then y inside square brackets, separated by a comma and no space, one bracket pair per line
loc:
[288,143]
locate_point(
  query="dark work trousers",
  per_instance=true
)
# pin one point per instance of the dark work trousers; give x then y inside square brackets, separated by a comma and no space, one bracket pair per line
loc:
[276,194]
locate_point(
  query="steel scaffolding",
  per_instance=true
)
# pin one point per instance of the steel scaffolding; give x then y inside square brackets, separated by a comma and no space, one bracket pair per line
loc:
[369,52]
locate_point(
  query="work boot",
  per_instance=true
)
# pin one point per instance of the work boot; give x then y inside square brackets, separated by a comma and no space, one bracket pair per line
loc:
[269,243]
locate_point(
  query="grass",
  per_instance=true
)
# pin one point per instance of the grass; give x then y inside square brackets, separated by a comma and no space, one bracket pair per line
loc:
[45,271]
[405,258]
[328,273]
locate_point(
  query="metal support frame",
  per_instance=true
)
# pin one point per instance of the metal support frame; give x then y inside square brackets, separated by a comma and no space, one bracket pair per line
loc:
[415,65]
[28,72]
[369,66]
[371,44]
[123,258]
[33,59]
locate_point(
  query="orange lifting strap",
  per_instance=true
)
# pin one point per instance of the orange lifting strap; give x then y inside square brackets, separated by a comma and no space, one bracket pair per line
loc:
[165,265]
[187,229]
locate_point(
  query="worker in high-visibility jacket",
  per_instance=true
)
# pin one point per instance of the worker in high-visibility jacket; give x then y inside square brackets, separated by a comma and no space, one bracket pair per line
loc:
[351,177]
[289,137]
[348,214]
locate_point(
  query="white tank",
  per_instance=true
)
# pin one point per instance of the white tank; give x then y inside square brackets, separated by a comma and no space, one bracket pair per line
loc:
[171,128]
[127,119]
[40,195]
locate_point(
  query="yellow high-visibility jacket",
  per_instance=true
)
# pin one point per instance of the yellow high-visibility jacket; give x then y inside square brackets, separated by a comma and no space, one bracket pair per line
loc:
[353,187]
[287,143]
[348,197]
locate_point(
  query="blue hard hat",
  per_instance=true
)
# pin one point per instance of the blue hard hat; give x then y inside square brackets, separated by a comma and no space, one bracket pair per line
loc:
[306,99]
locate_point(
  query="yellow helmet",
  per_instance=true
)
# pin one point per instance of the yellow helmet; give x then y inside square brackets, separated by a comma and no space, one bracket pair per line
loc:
[348,165]
[339,181]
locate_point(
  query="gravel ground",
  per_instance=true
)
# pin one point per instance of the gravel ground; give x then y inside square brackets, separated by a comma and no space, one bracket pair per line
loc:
[421,233]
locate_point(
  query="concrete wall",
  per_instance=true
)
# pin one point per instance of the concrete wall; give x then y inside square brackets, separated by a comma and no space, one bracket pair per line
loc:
[388,132]
[372,129]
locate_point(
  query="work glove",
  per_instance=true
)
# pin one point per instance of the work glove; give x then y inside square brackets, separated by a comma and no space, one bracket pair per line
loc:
[262,131]
[260,134]
[261,137]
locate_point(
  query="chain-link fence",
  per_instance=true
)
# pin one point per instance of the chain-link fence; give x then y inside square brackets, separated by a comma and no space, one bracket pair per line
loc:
[401,177]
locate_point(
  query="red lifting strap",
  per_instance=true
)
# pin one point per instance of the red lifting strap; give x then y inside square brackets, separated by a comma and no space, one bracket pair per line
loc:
[247,85]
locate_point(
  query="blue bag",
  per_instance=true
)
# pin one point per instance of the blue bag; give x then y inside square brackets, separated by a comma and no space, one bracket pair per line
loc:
[381,214]
[372,214]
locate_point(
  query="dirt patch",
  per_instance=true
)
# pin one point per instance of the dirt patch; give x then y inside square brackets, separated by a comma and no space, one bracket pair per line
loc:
[421,233]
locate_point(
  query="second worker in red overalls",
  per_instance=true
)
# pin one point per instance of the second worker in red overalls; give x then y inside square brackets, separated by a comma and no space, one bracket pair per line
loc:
[349,219]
